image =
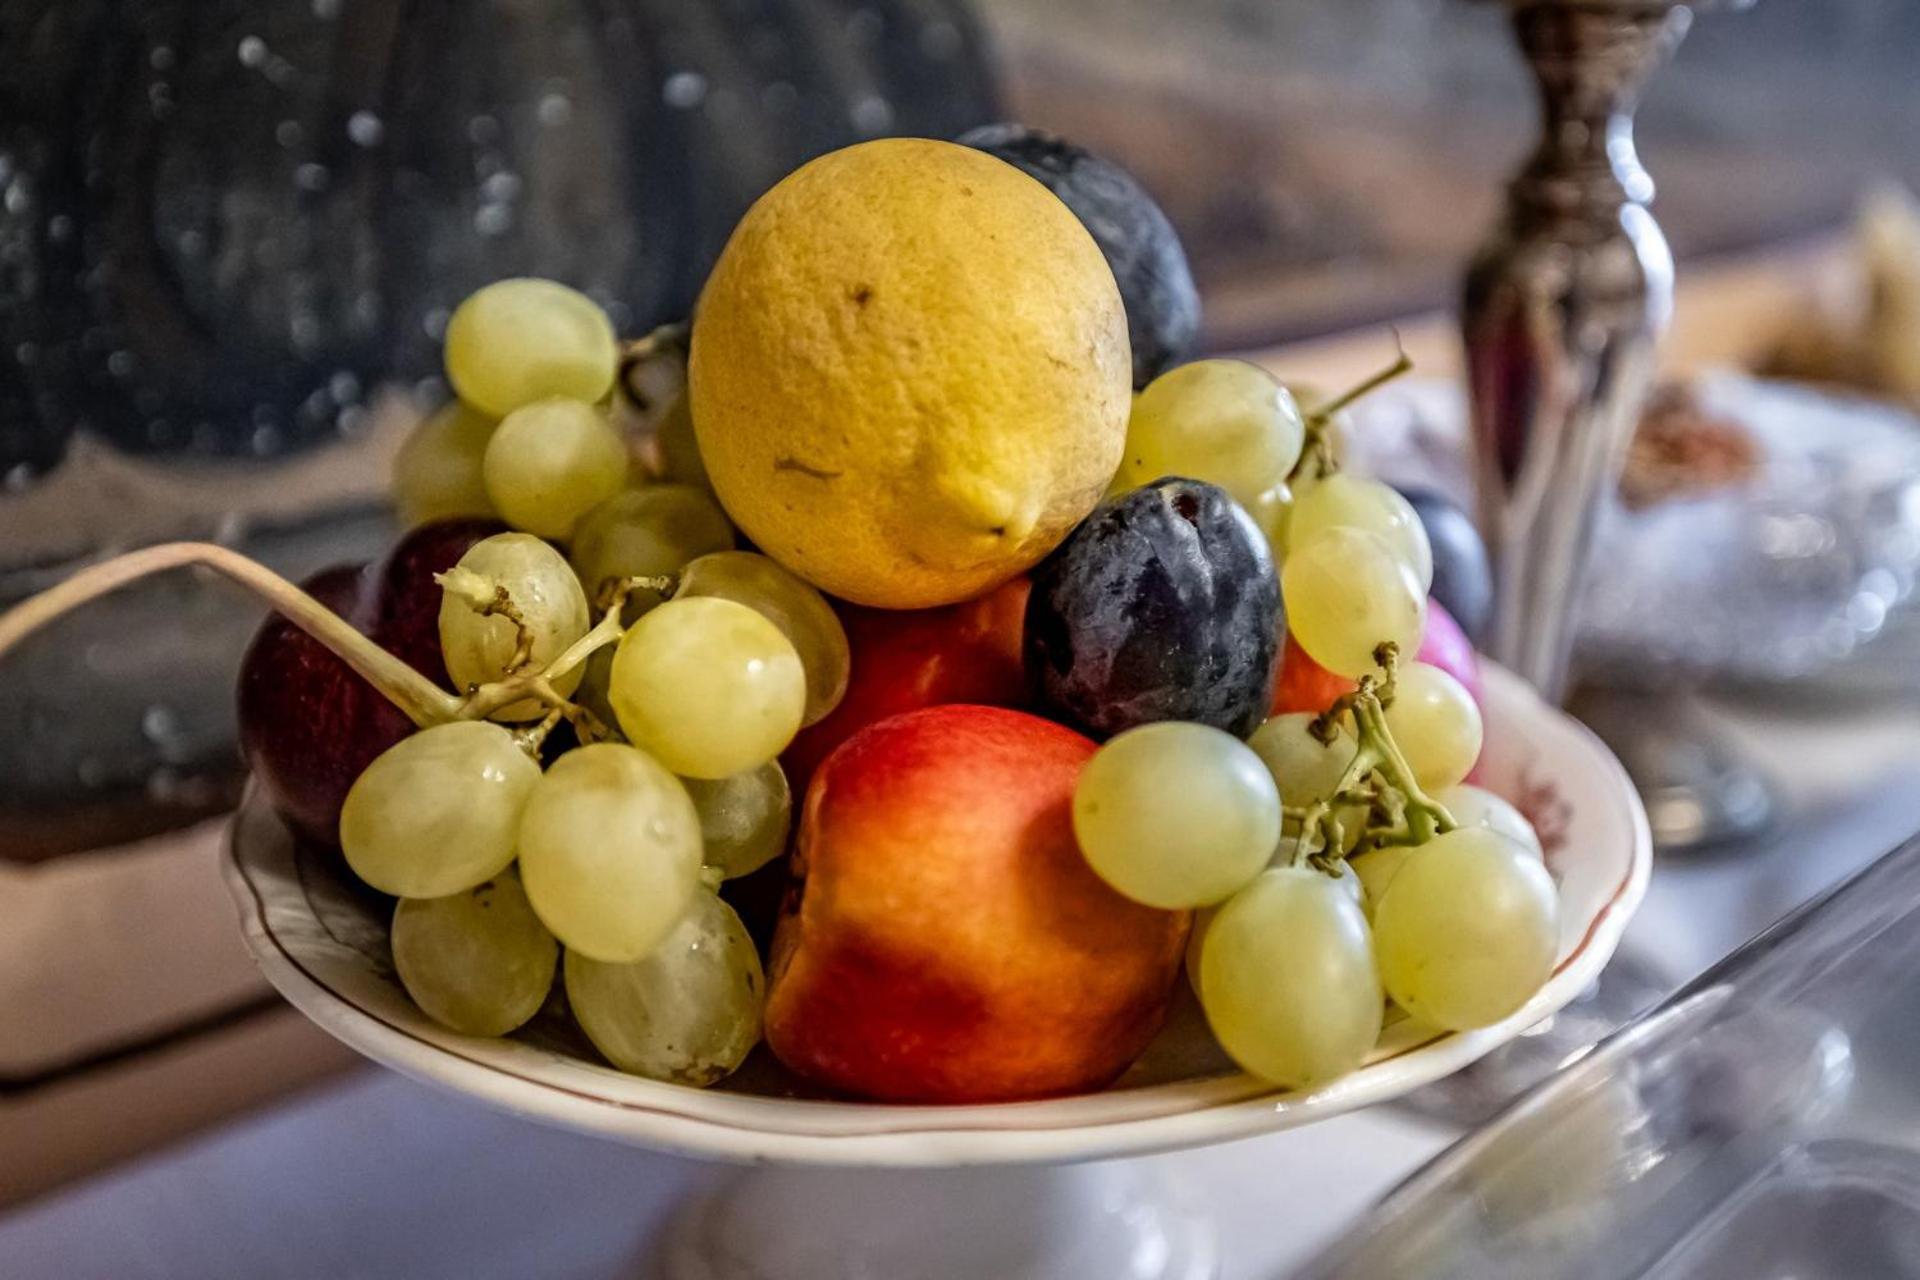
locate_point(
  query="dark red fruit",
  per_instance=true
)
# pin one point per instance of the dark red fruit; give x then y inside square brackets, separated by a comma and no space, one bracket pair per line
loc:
[408,623]
[308,723]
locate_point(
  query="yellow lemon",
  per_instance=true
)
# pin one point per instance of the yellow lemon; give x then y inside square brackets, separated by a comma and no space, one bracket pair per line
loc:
[910,375]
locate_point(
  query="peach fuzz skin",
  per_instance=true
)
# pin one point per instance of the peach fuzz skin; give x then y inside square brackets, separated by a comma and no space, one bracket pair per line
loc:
[946,941]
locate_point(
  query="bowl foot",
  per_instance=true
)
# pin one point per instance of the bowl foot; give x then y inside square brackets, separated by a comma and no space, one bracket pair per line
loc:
[1117,1220]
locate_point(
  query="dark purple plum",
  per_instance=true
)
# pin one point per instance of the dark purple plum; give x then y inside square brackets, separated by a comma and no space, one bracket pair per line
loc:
[1462,576]
[1162,605]
[308,723]
[1141,246]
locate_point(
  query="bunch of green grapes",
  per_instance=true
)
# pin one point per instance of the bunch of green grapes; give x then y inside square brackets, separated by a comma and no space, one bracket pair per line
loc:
[1339,861]
[617,603]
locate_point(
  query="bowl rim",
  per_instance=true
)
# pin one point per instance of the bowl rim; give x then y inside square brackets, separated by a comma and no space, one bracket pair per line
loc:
[739,1127]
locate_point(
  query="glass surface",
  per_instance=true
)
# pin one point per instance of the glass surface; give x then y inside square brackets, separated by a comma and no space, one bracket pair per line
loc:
[1764,1122]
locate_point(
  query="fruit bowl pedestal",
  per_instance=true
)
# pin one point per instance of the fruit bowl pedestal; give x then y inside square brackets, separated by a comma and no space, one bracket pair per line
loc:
[1002,1190]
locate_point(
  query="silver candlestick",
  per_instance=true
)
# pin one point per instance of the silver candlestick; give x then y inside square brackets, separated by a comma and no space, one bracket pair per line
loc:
[1562,312]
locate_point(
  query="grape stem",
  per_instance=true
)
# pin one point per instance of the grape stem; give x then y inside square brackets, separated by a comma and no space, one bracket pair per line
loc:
[1378,777]
[423,701]
[1316,454]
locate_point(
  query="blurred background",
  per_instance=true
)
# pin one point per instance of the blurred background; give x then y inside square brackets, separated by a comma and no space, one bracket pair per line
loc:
[231,232]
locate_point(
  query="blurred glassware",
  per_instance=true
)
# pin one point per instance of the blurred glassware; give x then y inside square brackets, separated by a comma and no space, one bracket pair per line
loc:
[1774,580]
[1765,1121]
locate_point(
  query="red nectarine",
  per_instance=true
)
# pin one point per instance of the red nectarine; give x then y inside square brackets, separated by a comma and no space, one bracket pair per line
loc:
[946,941]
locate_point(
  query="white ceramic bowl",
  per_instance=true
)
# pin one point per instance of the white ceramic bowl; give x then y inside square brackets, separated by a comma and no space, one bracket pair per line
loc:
[324,946]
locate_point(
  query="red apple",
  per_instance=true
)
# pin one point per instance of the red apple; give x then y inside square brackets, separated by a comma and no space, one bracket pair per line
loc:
[902,661]
[308,723]
[945,941]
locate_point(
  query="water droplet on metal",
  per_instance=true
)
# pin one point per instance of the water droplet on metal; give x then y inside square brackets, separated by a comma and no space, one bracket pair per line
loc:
[684,89]
[326,10]
[492,219]
[365,129]
[435,323]
[27,353]
[288,133]
[483,130]
[18,477]
[264,441]
[120,364]
[311,177]
[160,724]
[253,51]
[780,96]
[344,386]
[160,57]
[60,228]
[92,771]
[500,187]
[871,115]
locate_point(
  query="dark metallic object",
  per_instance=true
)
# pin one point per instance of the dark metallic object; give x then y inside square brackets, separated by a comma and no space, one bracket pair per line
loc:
[1562,313]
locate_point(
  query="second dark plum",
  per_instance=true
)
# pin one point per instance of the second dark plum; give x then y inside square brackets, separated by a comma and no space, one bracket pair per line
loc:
[1162,605]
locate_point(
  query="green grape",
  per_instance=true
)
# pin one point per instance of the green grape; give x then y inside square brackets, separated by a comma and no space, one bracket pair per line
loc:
[478,961]
[649,532]
[1227,422]
[680,459]
[1478,807]
[436,473]
[1348,882]
[609,851]
[1287,979]
[1303,767]
[1376,868]
[539,587]
[436,812]
[689,1012]
[1467,929]
[791,604]
[1347,592]
[1436,724]
[1345,501]
[709,686]
[1197,939]
[517,341]
[1176,814]
[1307,770]
[551,462]
[1270,511]
[744,818]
